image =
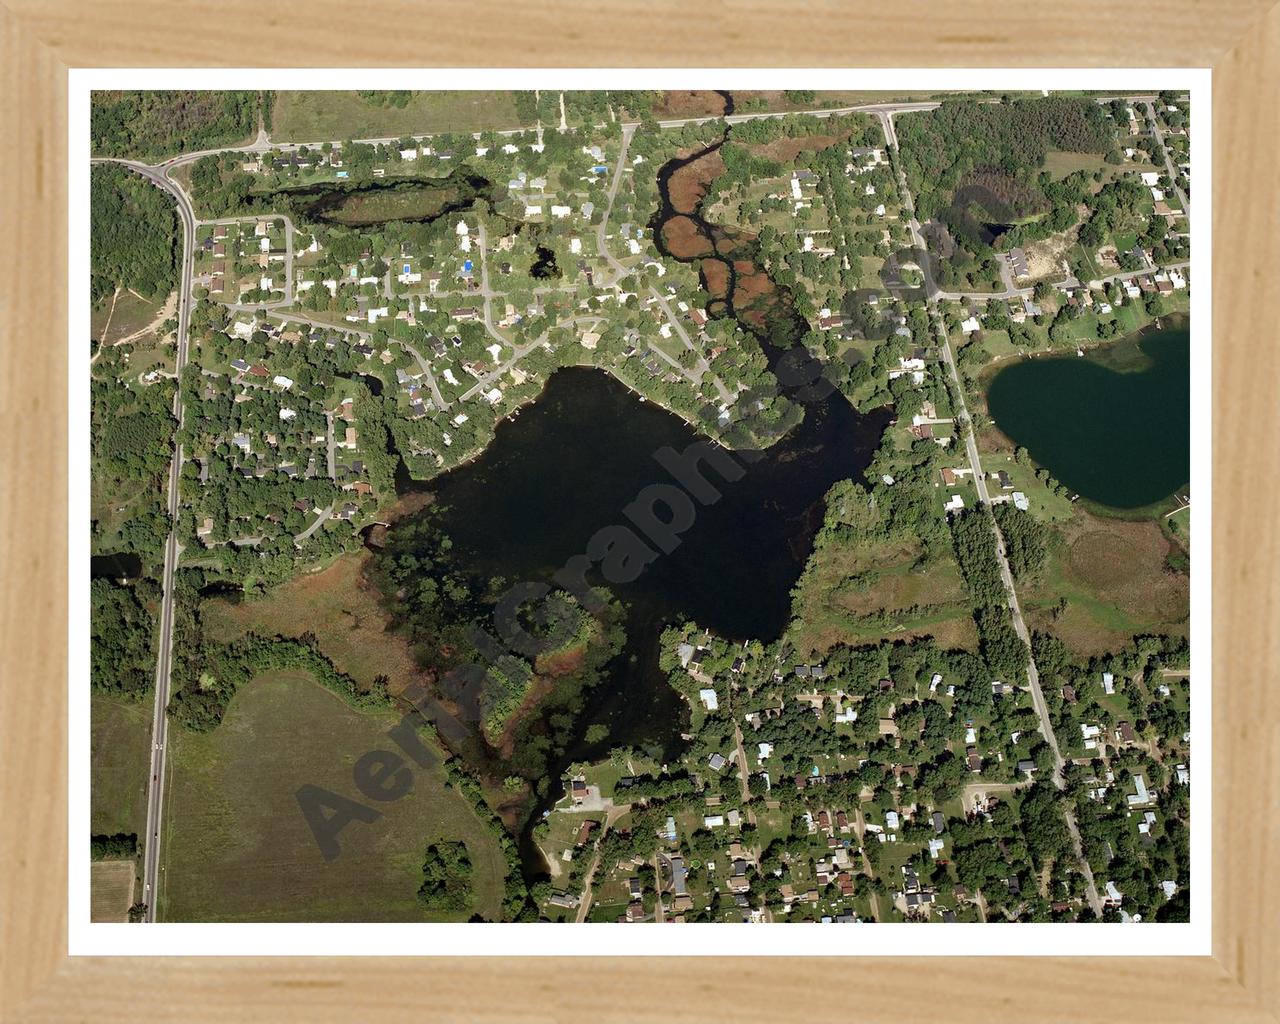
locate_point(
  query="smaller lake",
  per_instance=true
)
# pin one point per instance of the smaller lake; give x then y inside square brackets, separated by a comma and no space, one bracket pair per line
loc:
[408,200]
[1115,426]
[544,266]
[120,565]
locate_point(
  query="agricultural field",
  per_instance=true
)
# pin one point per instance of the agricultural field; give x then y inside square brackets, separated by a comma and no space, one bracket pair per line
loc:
[237,848]
[334,116]
[111,886]
[120,733]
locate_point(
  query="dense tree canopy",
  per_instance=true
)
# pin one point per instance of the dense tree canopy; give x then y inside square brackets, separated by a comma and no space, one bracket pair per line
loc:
[446,877]
[162,122]
[122,654]
[133,241]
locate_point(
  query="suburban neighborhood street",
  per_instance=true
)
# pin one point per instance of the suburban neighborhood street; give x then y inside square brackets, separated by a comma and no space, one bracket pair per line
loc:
[965,424]
[1170,170]
[328,419]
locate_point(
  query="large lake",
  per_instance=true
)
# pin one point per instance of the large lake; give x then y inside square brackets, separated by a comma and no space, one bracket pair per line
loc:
[569,464]
[1114,426]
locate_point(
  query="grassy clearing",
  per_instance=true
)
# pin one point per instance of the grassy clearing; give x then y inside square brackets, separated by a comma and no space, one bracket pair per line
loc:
[335,604]
[1179,526]
[1116,583]
[129,318]
[778,101]
[1059,163]
[860,594]
[119,756]
[114,502]
[333,116]
[238,849]
[110,890]
[130,315]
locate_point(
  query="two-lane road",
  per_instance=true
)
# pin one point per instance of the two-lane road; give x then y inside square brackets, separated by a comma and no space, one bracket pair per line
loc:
[164,657]
[965,424]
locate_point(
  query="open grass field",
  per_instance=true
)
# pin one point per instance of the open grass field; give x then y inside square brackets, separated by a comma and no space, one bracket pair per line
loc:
[1060,163]
[128,316]
[859,594]
[335,604]
[111,890]
[1114,577]
[334,116]
[119,737]
[236,846]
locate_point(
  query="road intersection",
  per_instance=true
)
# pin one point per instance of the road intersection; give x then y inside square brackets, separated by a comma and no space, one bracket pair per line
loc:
[161,176]
[172,550]
[965,424]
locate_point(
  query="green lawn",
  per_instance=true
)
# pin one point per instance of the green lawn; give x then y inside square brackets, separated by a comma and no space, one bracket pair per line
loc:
[236,846]
[1124,241]
[1179,526]
[334,116]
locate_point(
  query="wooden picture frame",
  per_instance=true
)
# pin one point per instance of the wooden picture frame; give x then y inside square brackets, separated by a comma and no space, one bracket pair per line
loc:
[40,41]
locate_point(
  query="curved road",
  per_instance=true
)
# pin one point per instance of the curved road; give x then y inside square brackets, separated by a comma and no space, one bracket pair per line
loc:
[159,176]
[164,659]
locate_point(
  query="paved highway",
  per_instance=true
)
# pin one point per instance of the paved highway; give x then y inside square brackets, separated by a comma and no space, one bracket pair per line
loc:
[159,175]
[159,718]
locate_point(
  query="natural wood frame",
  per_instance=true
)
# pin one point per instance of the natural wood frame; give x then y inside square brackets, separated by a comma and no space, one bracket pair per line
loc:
[40,39]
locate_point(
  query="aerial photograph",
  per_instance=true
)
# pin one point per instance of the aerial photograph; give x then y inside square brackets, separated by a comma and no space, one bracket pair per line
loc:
[642,507]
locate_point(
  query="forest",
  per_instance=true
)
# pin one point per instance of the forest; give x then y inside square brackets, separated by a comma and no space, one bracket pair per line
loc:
[1025,539]
[133,235]
[122,644]
[974,166]
[940,147]
[120,846]
[446,878]
[163,122]
[975,544]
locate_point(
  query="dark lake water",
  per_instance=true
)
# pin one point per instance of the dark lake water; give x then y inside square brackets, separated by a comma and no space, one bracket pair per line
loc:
[1114,426]
[115,566]
[545,264]
[570,463]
